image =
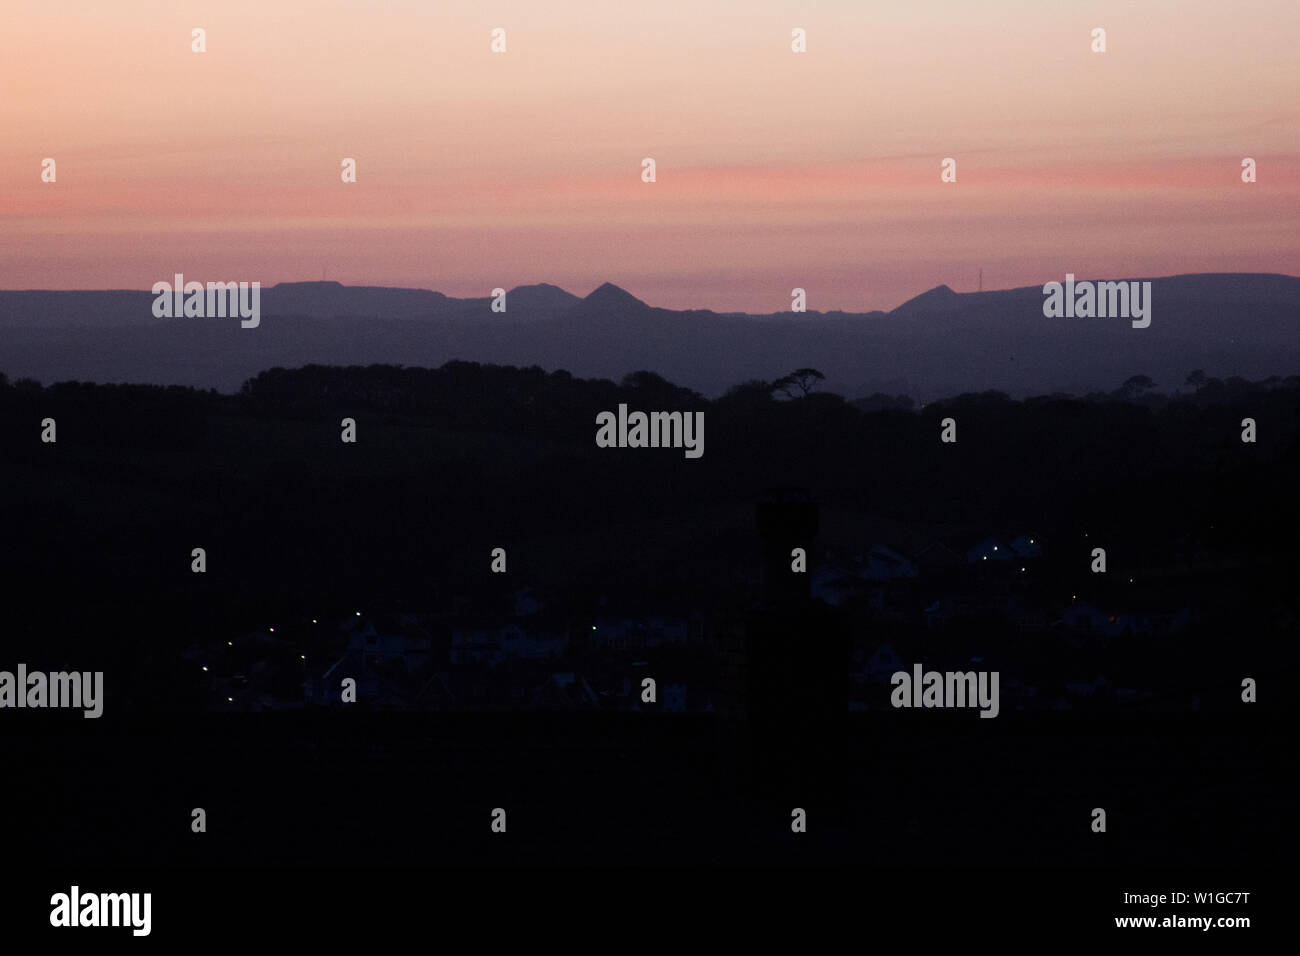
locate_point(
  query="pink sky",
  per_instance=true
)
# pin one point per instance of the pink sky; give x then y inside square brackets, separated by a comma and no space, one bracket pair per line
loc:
[775,169]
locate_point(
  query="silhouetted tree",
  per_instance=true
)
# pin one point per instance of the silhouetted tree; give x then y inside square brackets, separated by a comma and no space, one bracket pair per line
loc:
[803,379]
[1135,387]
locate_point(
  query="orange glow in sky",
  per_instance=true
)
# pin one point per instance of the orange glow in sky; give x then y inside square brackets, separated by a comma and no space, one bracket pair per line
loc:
[774,169]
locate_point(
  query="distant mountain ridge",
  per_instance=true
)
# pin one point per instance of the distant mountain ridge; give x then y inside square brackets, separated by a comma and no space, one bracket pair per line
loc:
[939,342]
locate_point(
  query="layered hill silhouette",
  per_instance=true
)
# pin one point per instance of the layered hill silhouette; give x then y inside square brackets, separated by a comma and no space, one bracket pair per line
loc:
[938,343]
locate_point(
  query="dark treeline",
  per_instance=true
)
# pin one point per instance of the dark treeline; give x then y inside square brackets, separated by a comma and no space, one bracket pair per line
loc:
[452,462]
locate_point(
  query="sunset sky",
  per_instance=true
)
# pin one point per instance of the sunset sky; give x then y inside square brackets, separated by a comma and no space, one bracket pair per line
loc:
[775,169]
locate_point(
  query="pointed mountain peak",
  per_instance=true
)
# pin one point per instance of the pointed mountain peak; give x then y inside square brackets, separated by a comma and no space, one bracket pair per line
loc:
[611,296]
[939,299]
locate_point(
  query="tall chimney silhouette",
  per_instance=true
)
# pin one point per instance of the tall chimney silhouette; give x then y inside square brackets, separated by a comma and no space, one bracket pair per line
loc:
[796,668]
